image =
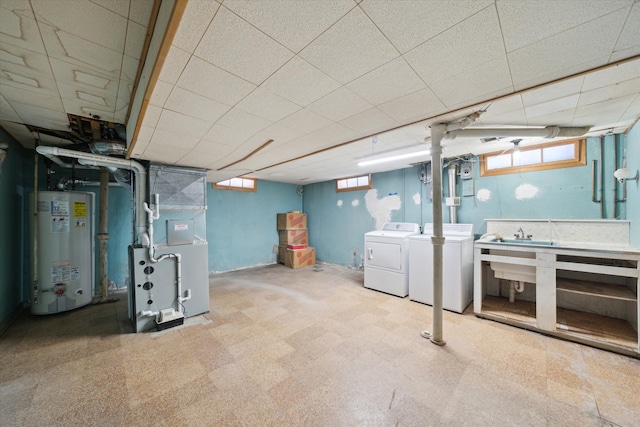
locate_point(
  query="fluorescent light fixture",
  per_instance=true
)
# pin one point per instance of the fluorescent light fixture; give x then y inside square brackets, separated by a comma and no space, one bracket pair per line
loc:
[394,158]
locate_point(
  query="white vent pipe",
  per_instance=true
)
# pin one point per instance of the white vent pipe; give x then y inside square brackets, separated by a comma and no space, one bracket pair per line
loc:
[547,132]
[451,170]
[90,159]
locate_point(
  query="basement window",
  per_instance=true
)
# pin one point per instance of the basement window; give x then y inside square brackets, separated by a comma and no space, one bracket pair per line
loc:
[362,182]
[238,184]
[553,155]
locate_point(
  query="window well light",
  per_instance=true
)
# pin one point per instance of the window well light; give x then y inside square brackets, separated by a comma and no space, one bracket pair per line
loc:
[394,158]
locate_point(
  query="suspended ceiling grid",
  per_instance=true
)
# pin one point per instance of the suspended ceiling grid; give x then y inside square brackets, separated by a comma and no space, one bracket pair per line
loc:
[313,76]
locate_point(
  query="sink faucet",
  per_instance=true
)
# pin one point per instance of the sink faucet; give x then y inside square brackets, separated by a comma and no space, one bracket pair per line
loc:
[520,235]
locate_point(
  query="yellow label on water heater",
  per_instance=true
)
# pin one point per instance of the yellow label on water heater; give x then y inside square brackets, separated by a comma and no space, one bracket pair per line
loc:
[79,209]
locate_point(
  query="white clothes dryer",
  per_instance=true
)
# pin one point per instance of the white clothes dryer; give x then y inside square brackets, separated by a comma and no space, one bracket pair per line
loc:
[386,261]
[457,266]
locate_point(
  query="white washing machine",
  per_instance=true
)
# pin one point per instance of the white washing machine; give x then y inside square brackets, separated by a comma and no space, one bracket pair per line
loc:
[386,261]
[457,266]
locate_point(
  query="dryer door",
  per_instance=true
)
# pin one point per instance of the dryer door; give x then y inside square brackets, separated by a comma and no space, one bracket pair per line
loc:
[386,255]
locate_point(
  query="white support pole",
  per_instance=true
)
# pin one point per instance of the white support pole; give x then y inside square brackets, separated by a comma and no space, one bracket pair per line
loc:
[437,133]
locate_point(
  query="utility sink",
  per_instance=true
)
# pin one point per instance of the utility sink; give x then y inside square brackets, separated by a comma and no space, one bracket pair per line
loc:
[525,242]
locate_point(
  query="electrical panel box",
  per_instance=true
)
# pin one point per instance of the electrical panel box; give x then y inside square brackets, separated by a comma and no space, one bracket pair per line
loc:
[466,171]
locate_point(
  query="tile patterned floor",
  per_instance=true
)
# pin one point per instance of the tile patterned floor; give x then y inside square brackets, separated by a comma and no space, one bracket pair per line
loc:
[308,347]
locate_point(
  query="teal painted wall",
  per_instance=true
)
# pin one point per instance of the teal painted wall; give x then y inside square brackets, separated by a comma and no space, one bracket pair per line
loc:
[15,185]
[632,143]
[241,226]
[337,221]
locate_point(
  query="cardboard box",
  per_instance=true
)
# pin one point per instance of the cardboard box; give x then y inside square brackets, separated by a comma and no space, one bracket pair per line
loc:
[292,220]
[293,237]
[282,253]
[300,257]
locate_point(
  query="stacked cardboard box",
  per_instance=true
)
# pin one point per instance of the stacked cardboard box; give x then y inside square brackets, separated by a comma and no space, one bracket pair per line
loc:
[293,248]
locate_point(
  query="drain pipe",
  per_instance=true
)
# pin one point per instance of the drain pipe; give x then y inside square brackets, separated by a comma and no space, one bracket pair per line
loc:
[90,159]
[35,278]
[153,214]
[451,170]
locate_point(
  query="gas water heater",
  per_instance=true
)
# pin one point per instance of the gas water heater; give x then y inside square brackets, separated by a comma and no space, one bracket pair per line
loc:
[63,247]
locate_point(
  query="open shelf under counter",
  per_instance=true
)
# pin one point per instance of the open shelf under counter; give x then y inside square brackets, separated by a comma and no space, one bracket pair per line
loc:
[603,290]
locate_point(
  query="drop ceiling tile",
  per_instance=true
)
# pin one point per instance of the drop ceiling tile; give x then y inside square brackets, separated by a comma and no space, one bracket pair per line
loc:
[224,135]
[557,118]
[121,7]
[408,23]
[480,84]
[552,107]
[352,47]
[369,122]
[219,85]
[151,116]
[37,115]
[609,105]
[612,75]
[26,70]
[164,154]
[501,106]
[37,99]
[239,48]
[174,65]
[7,112]
[553,91]
[238,119]
[172,138]
[183,124]
[195,21]
[605,93]
[84,20]
[339,105]
[136,35]
[300,82]
[475,41]
[194,105]
[582,47]
[129,69]
[140,11]
[293,24]
[198,159]
[18,26]
[267,105]
[66,72]
[100,98]
[524,23]
[20,133]
[81,52]
[390,81]
[160,93]
[278,133]
[305,121]
[88,108]
[418,105]
[144,135]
